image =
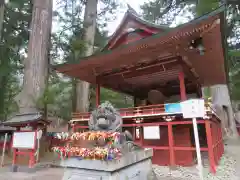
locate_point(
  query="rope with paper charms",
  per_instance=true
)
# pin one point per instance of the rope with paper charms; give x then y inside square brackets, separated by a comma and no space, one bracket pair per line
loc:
[90,145]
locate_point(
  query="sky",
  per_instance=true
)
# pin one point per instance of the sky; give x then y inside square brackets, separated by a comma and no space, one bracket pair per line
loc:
[135,4]
[111,26]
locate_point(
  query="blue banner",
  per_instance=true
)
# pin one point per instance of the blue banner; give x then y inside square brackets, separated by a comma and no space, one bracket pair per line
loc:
[173,108]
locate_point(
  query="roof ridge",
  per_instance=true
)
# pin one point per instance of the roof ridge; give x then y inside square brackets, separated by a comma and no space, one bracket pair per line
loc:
[131,10]
[144,21]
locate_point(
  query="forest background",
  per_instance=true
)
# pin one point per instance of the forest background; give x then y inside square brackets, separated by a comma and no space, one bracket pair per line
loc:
[68,44]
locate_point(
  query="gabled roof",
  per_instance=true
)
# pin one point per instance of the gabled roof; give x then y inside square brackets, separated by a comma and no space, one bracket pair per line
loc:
[6,128]
[21,119]
[132,20]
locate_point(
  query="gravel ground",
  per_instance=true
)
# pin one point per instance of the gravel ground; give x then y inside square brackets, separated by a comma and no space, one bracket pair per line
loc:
[228,169]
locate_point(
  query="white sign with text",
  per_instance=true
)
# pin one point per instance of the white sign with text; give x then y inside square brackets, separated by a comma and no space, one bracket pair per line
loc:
[24,140]
[151,132]
[193,108]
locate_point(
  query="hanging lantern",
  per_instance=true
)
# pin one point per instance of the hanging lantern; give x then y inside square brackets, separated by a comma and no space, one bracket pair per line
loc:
[197,44]
[201,49]
[137,133]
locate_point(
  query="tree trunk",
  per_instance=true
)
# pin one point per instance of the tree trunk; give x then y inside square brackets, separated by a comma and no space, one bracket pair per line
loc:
[222,104]
[74,94]
[90,18]
[36,64]
[3,63]
[2,9]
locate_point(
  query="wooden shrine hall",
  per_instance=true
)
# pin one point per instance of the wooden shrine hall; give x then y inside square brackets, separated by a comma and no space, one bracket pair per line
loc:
[160,67]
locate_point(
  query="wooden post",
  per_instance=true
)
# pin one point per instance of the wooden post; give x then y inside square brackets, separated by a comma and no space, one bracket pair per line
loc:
[210,147]
[98,87]
[182,86]
[3,150]
[171,144]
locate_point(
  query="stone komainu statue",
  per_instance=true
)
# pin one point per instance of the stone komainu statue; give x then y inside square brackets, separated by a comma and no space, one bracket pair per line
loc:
[107,118]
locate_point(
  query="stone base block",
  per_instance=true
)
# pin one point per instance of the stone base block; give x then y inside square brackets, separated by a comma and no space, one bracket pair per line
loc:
[132,166]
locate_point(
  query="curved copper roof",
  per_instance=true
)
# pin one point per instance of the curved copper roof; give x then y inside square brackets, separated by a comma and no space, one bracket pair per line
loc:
[210,68]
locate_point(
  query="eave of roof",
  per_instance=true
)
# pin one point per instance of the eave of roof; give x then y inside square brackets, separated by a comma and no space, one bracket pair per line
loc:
[193,22]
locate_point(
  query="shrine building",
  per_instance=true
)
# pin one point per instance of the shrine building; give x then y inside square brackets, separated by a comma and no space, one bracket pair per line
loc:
[160,67]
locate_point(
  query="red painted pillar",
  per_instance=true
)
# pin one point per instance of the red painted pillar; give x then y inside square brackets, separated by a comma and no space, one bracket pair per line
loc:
[171,144]
[97,95]
[31,159]
[141,136]
[73,128]
[219,143]
[210,146]
[134,133]
[183,94]
[215,140]
[15,154]
[14,162]
[222,143]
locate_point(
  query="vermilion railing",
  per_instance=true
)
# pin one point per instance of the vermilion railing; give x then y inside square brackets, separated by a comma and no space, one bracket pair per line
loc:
[152,110]
[134,112]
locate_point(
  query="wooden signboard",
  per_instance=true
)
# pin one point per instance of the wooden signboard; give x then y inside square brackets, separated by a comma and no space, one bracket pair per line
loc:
[24,140]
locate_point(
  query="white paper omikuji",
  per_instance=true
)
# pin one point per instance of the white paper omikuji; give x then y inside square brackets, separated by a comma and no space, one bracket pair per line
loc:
[225,171]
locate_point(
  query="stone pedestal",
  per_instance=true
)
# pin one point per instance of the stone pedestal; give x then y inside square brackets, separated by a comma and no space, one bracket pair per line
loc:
[132,166]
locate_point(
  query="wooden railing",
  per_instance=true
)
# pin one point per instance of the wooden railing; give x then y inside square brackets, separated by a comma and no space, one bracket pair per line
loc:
[135,112]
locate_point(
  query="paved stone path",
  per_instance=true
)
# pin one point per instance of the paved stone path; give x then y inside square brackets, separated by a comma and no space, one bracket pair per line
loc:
[46,174]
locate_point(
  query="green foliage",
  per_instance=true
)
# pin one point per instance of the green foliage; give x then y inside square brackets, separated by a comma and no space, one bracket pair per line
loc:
[206,6]
[234,53]
[14,40]
[68,41]
[234,76]
[117,99]
[57,97]
[165,11]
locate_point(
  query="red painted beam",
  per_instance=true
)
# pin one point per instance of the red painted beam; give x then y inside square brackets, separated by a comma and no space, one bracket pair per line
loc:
[188,149]
[156,147]
[143,64]
[150,124]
